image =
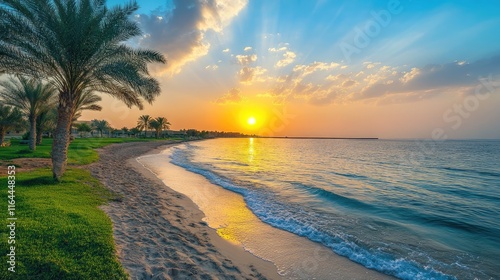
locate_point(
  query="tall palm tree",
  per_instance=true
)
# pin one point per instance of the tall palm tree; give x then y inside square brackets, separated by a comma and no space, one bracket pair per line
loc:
[10,118]
[144,123]
[100,126]
[32,97]
[159,124]
[78,45]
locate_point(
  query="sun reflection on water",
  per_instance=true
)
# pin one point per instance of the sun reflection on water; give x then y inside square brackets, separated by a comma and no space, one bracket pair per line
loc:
[251,150]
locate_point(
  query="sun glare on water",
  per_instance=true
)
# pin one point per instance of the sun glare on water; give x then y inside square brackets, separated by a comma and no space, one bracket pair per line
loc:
[251,121]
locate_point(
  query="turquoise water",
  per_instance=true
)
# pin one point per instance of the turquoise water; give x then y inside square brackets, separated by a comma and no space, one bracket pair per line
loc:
[404,208]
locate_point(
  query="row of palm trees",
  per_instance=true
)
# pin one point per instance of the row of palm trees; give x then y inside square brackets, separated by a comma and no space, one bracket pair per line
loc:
[36,101]
[76,47]
[146,122]
[10,119]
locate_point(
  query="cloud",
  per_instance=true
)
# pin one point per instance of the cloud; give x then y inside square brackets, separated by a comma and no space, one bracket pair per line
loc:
[431,77]
[246,59]
[248,75]
[179,32]
[282,49]
[288,58]
[321,83]
[315,66]
[225,50]
[212,67]
[337,77]
[348,83]
[247,49]
[232,97]
[370,65]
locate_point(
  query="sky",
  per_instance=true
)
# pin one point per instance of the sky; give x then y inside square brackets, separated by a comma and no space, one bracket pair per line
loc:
[385,68]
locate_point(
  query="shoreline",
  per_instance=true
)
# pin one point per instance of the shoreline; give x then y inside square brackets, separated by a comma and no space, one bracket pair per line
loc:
[159,233]
[295,257]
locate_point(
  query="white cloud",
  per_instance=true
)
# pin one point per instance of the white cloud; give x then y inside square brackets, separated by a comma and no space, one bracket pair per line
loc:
[408,76]
[288,58]
[247,49]
[246,59]
[225,50]
[282,49]
[315,66]
[212,67]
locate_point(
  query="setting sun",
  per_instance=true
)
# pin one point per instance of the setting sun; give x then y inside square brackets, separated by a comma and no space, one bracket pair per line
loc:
[251,121]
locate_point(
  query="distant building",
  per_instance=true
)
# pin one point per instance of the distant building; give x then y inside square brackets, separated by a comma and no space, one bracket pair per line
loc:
[175,133]
[14,134]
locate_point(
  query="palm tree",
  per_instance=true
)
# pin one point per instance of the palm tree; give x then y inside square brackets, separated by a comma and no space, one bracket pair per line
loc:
[82,128]
[134,131]
[10,118]
[77,45]
[87,101]
[32,97]
[144,123]
[125,130]
[159,124]
[100,125]
[46,122]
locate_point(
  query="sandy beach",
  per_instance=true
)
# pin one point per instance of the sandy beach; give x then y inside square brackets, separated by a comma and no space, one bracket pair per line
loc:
[159,233]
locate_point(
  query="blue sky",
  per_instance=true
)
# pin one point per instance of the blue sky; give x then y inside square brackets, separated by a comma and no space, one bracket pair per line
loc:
[327,60]
[435,31]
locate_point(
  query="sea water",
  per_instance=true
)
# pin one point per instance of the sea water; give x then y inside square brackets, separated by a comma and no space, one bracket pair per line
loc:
[409,209]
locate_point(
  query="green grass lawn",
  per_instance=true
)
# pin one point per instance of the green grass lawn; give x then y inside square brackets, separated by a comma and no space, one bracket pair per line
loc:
[60,231]
[81,150]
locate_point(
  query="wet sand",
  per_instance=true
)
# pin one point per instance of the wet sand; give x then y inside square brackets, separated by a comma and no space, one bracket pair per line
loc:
[159,233]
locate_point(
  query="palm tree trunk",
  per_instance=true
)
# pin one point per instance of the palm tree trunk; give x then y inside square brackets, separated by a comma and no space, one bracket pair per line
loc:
[39,134]
[2,135]
[62,136]
[39,131]
[32,140]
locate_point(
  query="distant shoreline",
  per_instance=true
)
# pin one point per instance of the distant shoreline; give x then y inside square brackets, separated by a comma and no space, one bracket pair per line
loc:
[305,137]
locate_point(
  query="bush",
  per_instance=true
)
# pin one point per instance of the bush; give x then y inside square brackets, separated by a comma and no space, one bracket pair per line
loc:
[26,135]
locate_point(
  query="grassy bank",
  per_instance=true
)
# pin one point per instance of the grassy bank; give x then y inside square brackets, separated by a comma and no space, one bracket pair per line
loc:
[81,150]
[60,231]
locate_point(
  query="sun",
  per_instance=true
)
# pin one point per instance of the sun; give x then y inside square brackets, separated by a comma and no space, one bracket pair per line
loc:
[251,121]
